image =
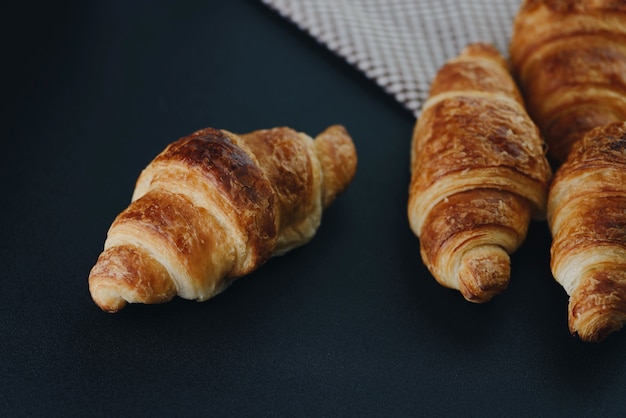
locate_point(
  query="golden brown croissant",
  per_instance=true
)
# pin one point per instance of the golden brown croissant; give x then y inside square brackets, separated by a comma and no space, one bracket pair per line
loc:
[214,206]
[569,57]
[479,174]
[587,217]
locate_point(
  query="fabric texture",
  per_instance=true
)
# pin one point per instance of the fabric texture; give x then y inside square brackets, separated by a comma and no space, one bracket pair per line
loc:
[400,44]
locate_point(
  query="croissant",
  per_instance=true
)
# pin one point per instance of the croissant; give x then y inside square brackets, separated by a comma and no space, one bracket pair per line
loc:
[214,206]
[479,174]
[569,58]
[587,217]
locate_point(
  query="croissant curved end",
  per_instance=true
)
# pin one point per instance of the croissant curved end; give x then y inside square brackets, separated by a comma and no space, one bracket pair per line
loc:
[338,158]
[128,274]
[597,308]
[595,326]
[106,298]
[484,272]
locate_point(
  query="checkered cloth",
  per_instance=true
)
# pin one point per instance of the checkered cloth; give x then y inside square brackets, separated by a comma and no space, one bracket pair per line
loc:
[400,44]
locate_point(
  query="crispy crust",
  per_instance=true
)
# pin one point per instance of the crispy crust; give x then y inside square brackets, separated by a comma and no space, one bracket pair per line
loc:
[587,217]
[569,58]
[479,174]
[213,206]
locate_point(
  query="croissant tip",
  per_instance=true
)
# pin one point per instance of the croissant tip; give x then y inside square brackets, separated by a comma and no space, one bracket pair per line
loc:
[597,307]
[338,128]
[480,48]
[338,157]
[484,273]
[595,327]
[597,334]
[108,300]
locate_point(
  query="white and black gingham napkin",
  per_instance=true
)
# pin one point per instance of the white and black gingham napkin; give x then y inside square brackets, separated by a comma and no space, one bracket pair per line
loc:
[400,44]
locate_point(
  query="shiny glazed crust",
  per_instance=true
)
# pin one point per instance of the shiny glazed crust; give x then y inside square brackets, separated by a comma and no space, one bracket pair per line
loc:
[213,206]
[587,217]
[569,58]
[479,174]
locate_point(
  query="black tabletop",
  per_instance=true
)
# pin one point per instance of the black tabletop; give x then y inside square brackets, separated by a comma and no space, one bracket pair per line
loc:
[351,324]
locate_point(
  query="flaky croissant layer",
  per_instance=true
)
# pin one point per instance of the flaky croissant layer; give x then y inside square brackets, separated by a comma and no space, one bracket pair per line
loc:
[479,174]
[214,206]
[587,218]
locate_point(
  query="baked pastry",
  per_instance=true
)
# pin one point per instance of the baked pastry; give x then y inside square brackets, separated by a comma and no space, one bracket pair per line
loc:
[213,206]
[569,58]
[587,218]
[479,174]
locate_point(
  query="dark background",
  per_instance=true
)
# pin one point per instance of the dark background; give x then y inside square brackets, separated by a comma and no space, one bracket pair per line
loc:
[351,324]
